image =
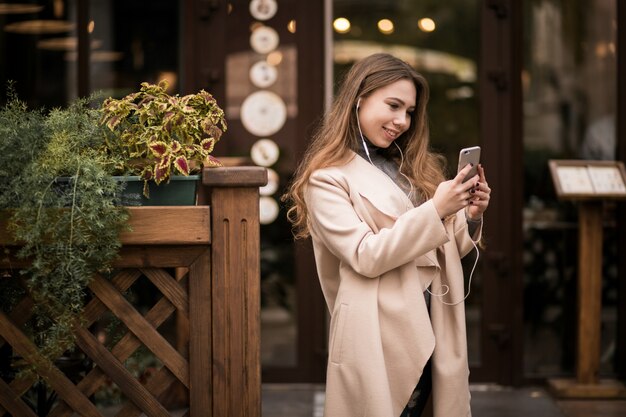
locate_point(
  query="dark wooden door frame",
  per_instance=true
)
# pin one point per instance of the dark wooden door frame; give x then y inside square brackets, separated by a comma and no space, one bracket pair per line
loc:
[621,155]
[203,47]
[501,129]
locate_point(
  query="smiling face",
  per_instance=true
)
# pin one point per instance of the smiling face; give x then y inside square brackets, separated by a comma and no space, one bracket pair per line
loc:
[385,114]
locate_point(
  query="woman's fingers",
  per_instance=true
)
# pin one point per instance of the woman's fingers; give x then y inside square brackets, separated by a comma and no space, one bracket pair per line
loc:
[481,195]
[460,176]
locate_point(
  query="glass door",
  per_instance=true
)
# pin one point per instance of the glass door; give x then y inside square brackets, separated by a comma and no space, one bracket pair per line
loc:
[570,105]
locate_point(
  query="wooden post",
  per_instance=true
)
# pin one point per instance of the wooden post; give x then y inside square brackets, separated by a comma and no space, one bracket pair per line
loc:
[233,195]
[589,291]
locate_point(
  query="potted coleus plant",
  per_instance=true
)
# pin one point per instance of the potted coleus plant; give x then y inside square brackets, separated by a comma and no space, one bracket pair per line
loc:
[155,136]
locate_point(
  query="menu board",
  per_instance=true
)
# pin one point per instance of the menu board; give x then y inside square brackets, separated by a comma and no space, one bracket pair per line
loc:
[582,179]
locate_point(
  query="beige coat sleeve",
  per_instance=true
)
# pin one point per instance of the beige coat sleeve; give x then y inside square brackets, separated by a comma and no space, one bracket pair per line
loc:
[338,217]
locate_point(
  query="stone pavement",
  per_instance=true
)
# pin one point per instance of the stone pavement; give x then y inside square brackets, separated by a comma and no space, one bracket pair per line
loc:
[307,400]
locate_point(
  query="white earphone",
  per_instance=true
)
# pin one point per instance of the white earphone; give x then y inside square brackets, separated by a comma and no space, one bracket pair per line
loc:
[469,283]
[358,123]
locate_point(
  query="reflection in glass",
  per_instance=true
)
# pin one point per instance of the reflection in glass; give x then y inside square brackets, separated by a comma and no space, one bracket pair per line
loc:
[569,85]
[41,75]
[131,50]
[39,47]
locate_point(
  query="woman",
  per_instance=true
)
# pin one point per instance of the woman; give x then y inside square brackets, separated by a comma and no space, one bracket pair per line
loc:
[388,233]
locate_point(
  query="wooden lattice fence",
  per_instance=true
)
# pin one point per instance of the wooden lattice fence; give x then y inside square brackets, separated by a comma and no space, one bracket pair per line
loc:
[204,262]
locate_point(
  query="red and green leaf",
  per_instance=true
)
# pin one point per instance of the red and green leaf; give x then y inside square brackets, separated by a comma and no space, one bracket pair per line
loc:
[182,165]
[212,162]
[158,148]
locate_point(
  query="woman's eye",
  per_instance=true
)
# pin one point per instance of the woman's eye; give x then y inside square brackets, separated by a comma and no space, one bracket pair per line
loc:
[393,106]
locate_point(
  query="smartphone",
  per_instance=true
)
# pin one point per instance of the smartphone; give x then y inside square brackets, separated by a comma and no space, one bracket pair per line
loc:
[469,156]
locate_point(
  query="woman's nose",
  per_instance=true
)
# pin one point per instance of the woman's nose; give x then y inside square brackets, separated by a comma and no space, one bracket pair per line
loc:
[401,121]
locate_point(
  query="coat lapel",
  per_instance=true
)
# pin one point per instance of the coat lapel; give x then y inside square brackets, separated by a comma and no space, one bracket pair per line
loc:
[379,201]
[380,190]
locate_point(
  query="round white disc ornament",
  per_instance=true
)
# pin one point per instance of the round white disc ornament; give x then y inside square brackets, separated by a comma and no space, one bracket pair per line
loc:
[263,9]
[272,183]
[264,40]
[264,152]
[263,74]
[268,210]
[263,113]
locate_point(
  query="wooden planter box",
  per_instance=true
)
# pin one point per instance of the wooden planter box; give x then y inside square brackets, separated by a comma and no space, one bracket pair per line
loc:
[214,249]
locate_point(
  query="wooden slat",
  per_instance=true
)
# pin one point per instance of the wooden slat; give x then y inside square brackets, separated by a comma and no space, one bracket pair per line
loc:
[94,309]
[169,287]
[132,389]
[55,378]
[13,403]
[157,256]
[178,394]
[19,386]
[21,313]
[200,350]
[142,329]
[121,281]
[157,385]
[250,176]
[121,351]
[165,225]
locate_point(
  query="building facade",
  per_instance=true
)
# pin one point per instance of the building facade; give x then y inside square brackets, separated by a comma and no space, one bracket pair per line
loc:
[529,81]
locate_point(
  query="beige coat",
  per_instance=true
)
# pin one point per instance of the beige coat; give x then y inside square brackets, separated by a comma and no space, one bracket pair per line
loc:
[375,255]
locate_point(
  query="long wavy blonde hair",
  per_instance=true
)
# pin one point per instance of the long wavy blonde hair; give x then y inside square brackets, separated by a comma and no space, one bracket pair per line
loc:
[338,135]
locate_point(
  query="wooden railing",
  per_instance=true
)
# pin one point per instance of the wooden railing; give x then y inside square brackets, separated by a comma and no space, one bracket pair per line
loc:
[204,261]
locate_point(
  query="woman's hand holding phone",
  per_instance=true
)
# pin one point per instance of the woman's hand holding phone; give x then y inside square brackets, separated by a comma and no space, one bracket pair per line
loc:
[454,194]
[481,194]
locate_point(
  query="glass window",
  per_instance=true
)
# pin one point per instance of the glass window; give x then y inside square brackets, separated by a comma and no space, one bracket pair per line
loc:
[129,43]
[569,86]
[132,43]
[34,40]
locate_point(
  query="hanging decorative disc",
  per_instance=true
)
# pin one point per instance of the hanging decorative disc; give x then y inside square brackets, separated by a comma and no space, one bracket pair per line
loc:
[263,113]
[264,152]
[268,210]
[263,9]
[272,183]
[264,39]
[263,74]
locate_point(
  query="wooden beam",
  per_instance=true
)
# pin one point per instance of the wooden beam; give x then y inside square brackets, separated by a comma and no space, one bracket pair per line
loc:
[152,225]
[168,225]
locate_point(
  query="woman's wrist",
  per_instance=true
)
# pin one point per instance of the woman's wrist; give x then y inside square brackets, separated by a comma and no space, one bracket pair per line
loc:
[469,218]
